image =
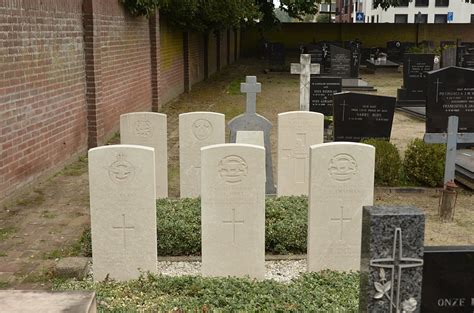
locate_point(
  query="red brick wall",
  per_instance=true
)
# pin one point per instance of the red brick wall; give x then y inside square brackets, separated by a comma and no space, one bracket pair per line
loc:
[42,88]
[124,65]
[212,53]
[196,57]
[171,63]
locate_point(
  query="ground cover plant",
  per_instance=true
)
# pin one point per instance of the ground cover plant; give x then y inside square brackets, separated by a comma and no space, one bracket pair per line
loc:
[315,292]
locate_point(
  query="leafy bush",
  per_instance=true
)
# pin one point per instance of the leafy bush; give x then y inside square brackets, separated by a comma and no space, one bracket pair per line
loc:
[424,163]
[387,162]
[179,226]
[312,292]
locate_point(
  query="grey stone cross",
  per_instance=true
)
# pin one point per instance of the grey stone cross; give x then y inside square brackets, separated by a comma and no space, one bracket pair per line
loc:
[251,88]
[304,69]
[396,264]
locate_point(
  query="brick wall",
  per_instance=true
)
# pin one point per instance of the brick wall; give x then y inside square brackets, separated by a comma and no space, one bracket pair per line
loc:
[42,88]
[69,69]
[196,57]
[171,63]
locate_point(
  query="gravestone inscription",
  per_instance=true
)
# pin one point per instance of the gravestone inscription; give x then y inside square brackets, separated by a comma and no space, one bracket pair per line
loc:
[341,60]
[360,116]
[448,282]
[341,182]
[415,69]
[468,61]
[391,259]
[322,92]
[450,93]
[233,210]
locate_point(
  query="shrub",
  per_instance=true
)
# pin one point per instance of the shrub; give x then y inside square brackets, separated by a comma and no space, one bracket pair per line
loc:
[326,291]
[179,226]
[424,163]
[387,162]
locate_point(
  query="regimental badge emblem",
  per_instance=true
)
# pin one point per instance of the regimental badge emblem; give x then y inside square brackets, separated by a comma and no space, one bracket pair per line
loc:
[121,170]
[342,167]
[143,128]
[202,129]
[233,169]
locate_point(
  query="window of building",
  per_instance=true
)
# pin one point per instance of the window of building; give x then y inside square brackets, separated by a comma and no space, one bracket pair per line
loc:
[422,3]
[402,3]
[421,18]
[441,18]
[401,18]
[377,18]
[372,19]
[472,18]
[442,3]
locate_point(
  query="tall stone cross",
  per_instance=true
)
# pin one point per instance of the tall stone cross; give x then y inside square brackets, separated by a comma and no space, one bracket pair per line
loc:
[251,121]
[396,264]
[305,69]
[451,138]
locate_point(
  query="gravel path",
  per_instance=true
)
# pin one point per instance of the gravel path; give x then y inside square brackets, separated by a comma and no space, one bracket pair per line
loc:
[281,271]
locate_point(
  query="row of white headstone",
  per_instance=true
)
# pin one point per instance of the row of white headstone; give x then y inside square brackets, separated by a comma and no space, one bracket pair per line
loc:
[123,208]
[297,131]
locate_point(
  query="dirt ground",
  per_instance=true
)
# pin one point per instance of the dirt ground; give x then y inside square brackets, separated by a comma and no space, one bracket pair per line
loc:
[45,222]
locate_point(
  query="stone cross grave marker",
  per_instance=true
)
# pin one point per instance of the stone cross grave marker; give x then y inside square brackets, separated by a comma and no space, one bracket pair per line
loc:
[341,183]
[305,69]
[149,129]
[251,121]
[391,259]
[123,211]
[196,130]
[233,210]
[297,131]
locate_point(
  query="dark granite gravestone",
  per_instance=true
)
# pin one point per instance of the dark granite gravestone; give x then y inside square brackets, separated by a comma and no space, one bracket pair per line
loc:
[355,47]
[321,94]
[358,116]
[316,52]
[469,46]
[448,280]
[460,52]
[468,61]
[394,51]
[326,60]
[277,56]
[340,62]
[415,67]
[391,259]
[448,56]
[450,92]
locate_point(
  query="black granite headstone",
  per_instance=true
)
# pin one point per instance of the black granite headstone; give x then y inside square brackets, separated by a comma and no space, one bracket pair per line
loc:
[450,92]
[359,116]
[340,62]
[355,48]
[394,51]
[461,51]
[448,280]
[468,61]
[321,93]
[415,69]
[277,56]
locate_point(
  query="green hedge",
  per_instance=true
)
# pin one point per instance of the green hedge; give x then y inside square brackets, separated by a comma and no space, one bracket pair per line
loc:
[179,226]
[387,162]
[424,163]
[312,292]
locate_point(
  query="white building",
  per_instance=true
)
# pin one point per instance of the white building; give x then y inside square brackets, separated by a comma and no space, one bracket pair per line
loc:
[421,11]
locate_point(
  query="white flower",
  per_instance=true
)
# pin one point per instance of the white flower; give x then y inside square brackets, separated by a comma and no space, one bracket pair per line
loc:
[409,305]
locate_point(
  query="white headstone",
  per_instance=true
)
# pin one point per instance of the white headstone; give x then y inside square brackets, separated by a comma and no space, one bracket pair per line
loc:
[123,211]
[233,210]
[341,183]
[305,69]
[297,131]
[149,129]
[250,138]
[196,130]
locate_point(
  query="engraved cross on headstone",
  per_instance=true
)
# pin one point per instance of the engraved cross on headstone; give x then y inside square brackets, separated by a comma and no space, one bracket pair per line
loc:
[251,88]
[305,69]
[437,83]
[396,264]
[124,229]
[299,154]
[233,222]
[341,219]
[343,110]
